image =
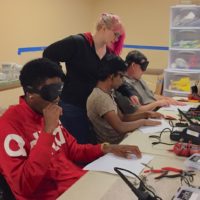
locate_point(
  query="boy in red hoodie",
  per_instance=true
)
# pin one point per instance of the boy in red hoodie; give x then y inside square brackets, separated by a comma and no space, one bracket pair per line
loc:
[39,156]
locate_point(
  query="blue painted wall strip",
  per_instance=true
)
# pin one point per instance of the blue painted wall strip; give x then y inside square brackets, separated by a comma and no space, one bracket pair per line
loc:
[29,49]
[159,48]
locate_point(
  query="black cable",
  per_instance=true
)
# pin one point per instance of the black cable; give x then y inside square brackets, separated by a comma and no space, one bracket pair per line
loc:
[159,137]
[187,178]
[155,143]
[171,123]
[164,130]
[140,192]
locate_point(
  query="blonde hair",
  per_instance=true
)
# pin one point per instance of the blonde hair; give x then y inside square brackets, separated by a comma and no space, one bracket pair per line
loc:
[113,22]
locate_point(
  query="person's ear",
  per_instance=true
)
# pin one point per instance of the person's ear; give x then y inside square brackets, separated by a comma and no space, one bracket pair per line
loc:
[132,64]
[29,95]
[111,76]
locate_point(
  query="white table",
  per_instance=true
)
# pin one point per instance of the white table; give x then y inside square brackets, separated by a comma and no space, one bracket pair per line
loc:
[143,141]
[105,186]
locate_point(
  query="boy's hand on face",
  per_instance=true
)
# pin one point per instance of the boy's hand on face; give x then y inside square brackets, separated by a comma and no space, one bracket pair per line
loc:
[51,114]
[121,150]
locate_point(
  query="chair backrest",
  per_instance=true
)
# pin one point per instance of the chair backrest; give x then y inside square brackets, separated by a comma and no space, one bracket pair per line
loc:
[158,73]
[6,193]
[159,85]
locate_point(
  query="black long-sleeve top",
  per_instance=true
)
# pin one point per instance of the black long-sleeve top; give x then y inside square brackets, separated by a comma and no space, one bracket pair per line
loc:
[82,63]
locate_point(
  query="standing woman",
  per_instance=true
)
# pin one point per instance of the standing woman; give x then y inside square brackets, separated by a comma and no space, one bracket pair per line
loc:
[83,54]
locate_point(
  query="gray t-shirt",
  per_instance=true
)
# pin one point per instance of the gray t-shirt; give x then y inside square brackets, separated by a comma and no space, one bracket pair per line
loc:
[98,104]
[140,89]
[125,104]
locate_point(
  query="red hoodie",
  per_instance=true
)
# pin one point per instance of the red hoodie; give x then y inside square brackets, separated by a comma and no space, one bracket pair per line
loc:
[38,165]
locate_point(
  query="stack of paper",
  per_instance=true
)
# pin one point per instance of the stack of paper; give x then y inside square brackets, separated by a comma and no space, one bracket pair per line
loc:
[107,163]
[155,129]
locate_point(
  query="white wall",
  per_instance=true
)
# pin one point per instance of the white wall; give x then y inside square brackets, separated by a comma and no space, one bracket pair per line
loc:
[27,23]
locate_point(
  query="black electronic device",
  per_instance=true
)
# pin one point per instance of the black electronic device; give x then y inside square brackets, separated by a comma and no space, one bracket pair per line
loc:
[194,113]
[142,192]
[181,125]
[187,193]
[188,134]
[177,135]
[182,114]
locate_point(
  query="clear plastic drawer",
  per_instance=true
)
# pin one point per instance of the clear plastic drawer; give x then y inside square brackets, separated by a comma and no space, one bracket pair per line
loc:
[185,16]
[178,83]
[185,38]
[184,59]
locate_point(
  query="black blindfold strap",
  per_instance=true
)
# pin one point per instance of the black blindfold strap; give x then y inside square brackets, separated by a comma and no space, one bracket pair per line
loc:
[30,89]
[47,92]
[144,65]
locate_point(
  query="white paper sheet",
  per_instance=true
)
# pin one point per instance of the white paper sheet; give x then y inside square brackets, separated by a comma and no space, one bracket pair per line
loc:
[107,163]
[155,129]
[175,108]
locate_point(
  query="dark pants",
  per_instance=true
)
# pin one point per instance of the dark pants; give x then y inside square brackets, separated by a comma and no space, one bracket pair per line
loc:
[75,120]
[5,191]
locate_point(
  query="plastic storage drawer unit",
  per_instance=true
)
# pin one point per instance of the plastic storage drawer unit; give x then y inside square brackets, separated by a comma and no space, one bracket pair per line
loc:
[178,83]
[185,16]
[184,59]
[185,38]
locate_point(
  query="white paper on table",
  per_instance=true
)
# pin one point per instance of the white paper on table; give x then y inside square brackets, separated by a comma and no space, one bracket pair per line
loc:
[107,163]
[157,128]
[175,108]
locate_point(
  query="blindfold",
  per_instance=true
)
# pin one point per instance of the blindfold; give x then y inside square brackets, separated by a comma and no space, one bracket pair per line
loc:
[143,65]
[48,92]
[143,62]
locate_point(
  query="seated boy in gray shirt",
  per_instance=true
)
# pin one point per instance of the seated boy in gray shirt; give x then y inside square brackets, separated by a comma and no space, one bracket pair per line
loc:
[134,94]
